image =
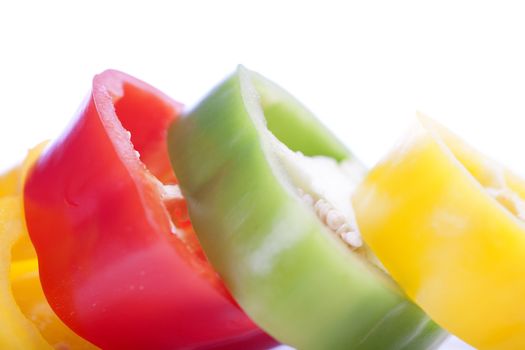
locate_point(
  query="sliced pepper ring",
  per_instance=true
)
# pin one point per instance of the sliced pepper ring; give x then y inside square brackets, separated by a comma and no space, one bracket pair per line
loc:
[119,262]
[447,223]
[287,270]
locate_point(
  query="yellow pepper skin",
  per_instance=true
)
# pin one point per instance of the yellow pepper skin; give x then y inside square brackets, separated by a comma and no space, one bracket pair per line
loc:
[16,331]
[429,213]
[26,321]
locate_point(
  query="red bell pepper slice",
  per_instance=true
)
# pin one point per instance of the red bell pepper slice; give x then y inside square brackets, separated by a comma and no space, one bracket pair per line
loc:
[112,264]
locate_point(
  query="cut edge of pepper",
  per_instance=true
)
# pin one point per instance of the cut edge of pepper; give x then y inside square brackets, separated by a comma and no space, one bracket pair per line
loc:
[253,104]
[470,162]
[109,87]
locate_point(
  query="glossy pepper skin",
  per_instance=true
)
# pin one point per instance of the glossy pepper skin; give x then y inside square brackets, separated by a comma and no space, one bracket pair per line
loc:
[112,265]
[459,252]
[27,320]
[291,275]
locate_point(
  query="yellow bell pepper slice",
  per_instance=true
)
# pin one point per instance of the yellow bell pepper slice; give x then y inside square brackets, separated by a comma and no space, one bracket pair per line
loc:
[27,321]
[16,331]
[448,225]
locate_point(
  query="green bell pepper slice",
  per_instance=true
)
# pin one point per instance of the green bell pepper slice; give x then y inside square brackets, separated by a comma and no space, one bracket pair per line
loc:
[288,271]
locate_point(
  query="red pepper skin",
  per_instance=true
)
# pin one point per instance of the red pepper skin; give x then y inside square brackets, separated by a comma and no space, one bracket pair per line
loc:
[110,265]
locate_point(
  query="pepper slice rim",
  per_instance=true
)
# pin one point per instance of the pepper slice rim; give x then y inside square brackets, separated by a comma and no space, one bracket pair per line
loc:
[458,149]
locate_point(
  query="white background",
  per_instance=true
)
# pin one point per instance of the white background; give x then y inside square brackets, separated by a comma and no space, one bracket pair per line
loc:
[364,69]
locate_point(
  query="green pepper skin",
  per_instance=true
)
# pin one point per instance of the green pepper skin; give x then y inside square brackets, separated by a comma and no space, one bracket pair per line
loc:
[284,267]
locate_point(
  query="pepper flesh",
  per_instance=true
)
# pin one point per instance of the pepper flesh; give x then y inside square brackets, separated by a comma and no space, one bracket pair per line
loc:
[17,332]
[452,246]
[112,263]
[282,264]
[27,320]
